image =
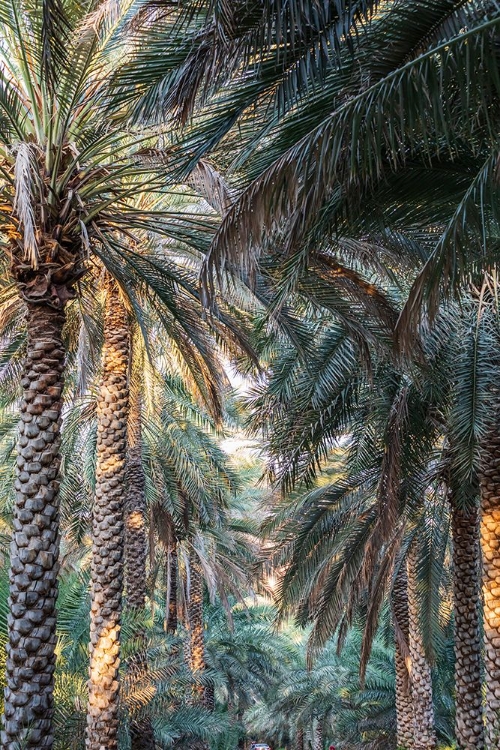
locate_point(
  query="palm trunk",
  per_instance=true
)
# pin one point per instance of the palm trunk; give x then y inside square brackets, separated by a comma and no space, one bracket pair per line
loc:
[404,704]
[108,531]
[318,736]
[196,628]
[299,739]
[141,730]
[34,549]
[135,509]
[420,673]
[490,542]
[210,696]
[466,590]
[171,618]
[197,638]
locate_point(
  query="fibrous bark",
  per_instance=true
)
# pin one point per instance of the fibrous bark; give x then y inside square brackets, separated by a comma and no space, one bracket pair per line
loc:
[404,705]
[466,590]
[141,729]
[108,531]
[135,510]
[490,543]
[171,619]
[197,638]
[424,737]
[34,548]
[196,627]
[318,736]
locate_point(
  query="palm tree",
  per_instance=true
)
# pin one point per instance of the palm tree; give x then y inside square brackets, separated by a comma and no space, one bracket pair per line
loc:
[135,543]
[66,181]
[316,161]
[308,425]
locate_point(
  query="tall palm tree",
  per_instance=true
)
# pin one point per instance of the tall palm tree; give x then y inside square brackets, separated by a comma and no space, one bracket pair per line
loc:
[310,426]
[66,181]
[318,160]
[134,541]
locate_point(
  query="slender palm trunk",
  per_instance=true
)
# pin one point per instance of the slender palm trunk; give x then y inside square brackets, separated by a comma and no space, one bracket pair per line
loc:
[135,508]
[466,590]
[141,730]
[171,617]
[404,705]
[108,531]
[318,736]
[299,739]
[196,628]
[490,543]
[34,549]
[197,638]
[420,674]
[210,696]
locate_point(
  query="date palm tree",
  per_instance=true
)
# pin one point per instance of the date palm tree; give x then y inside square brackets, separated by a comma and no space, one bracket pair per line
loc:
[71,175]
[454,400]
[201,350]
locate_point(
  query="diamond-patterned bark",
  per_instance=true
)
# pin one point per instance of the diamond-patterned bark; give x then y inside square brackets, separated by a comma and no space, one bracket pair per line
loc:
[108,531]
[196,626]
[171,618]
[34,548]
[466,590]
[404,705]
[141,729]
[490,544]
[420,671]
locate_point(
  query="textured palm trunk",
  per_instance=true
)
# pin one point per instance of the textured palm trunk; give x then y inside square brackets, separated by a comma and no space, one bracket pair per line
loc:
[171,618]
[466,590]
[135,509]
[196,648]
[490,543]
[141,730]
[318,736]
[196,628]
[34,550]
[299,739]
[210,696]
[108,530]
[197,638]
[404,704]
[420,671]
